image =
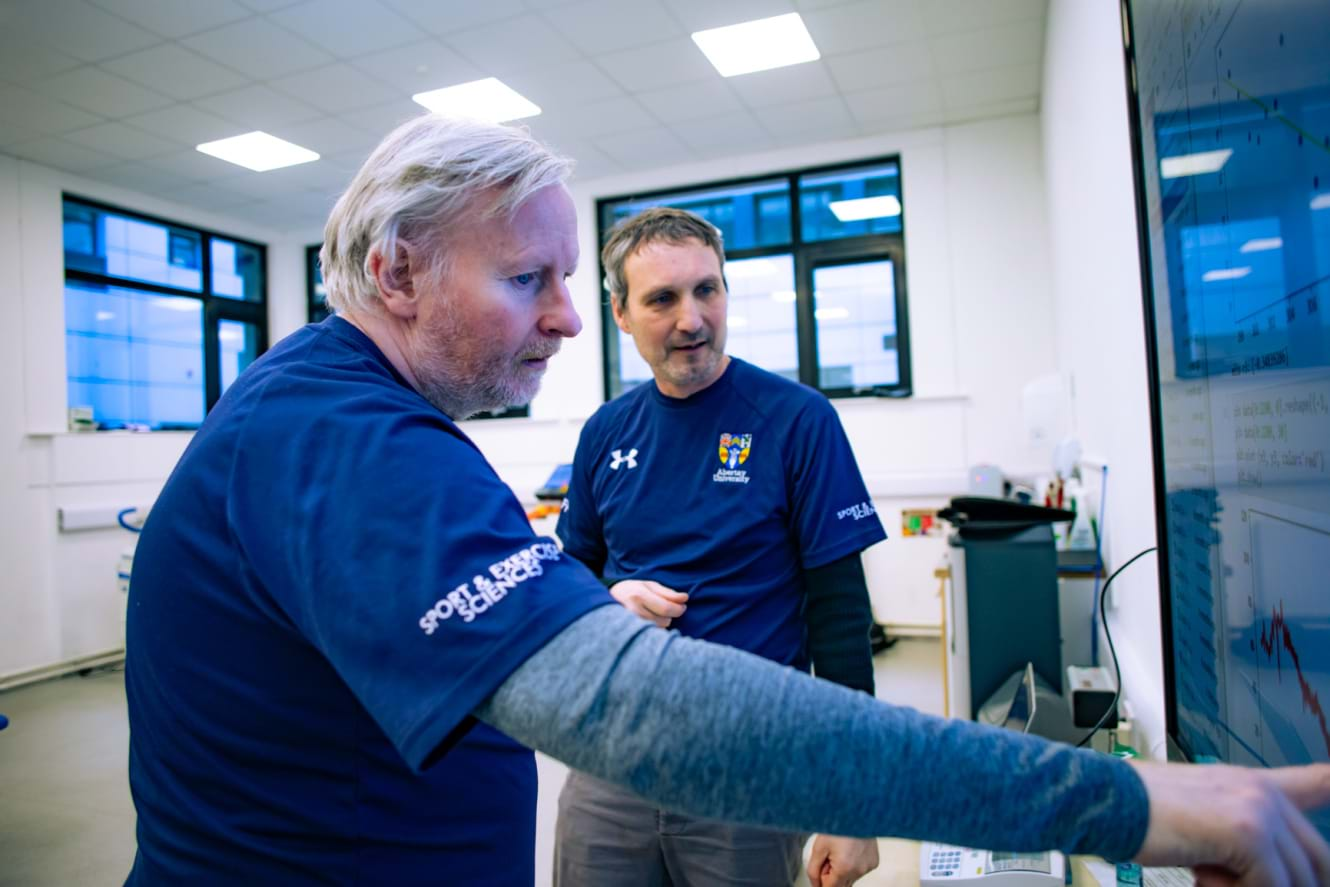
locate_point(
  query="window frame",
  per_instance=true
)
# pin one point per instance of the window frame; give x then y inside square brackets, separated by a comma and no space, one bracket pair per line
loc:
[806,255]
[216,308]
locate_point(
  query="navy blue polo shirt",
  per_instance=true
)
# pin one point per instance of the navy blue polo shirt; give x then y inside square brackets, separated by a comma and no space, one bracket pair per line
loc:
[331,580]
[727,495]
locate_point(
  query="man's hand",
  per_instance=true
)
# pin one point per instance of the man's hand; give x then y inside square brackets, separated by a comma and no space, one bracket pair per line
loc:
[650,600]
[1235,825]
[839,862]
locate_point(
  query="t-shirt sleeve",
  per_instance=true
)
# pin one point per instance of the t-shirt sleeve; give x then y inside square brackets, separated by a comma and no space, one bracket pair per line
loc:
[392,547]
[832,513]
[579,526]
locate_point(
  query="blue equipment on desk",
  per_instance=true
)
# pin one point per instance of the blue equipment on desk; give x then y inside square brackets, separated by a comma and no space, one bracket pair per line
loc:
[557,485]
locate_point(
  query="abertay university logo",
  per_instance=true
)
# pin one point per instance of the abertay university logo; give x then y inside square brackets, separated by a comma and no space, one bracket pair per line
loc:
[734,451]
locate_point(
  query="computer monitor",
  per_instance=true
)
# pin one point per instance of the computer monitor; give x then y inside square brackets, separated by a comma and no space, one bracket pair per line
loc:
[1230,110]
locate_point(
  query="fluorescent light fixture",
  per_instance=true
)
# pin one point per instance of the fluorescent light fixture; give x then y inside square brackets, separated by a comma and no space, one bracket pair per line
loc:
[758,45]
[489,99]
[1262,244]
[1194,164]
[258,151]
[1321,201]
[736,321]
[866,208]
[784,295]
[1226,274]
[231,335]
[831,313]
[106,315]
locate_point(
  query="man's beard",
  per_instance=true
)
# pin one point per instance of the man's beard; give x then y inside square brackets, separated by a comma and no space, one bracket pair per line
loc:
[461,379]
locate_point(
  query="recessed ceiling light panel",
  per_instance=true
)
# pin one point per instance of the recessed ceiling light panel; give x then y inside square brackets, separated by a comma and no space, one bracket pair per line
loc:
[258,151]
[758,45]
[1194,164]
[489,99]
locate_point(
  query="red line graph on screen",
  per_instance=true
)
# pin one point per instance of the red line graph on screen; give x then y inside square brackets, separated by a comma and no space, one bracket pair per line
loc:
[1278,639]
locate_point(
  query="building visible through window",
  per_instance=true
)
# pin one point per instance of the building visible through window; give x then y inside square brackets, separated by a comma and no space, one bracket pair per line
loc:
[159,318]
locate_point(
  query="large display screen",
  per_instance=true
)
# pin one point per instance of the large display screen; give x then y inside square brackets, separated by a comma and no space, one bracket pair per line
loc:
[1232,142]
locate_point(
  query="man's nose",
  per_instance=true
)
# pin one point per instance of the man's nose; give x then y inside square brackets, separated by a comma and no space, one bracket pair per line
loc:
[560,317]
[689,316]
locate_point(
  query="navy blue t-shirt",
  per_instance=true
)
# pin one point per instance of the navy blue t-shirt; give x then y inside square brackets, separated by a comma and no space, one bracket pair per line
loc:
[331,580]
[727,495]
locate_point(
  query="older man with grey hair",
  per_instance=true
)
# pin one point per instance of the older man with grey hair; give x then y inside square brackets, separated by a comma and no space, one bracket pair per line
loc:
[339,615]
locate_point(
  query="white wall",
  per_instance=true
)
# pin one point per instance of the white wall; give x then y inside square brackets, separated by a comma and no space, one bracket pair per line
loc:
[1100,327]
[58,596]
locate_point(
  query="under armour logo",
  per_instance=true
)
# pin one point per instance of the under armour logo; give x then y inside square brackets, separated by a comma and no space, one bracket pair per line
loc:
[619,459]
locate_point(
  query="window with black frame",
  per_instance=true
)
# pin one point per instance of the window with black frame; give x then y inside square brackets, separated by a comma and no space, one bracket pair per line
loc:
[815,266]
[159,318]
[316,298]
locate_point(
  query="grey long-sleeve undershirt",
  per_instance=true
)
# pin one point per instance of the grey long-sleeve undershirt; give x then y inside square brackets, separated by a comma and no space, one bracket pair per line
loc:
[717,732]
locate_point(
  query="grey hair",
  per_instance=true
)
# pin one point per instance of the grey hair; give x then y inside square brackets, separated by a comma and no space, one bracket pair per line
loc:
[415,184]
[659,223]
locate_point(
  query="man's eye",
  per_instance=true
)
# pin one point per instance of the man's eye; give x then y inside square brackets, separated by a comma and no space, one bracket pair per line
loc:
[525,279]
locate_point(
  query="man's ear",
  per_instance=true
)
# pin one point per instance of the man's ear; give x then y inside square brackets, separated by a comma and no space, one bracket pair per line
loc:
[620,311]
[393,278]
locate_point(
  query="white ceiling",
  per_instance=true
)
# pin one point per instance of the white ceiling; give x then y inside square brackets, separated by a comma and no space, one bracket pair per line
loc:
[121,90]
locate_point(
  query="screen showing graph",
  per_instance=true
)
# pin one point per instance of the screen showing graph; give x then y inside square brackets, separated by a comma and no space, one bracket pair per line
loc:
[1232,143]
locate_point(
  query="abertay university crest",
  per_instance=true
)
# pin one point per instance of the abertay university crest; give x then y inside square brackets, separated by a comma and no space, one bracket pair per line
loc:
[734,449]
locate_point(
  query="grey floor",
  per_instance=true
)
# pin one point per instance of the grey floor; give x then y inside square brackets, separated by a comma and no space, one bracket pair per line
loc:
[65,812]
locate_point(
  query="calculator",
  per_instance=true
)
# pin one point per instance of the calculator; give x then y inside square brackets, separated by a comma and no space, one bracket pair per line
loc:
[944,864]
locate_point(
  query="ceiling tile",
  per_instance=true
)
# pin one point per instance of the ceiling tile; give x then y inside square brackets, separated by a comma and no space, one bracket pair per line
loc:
[864,25]
[383,119]
[193,166]
[185,123]
[445,18]
[564,85]
[348,29]
[258,107]
[267,5]
[698,15]
[820,4]
[887,66]
[172,18]
[63,155]
[592,163]
[597,26]
[209,196]
[690,101]
[122,141]
[258,48]
[657,65]
[23,60]
[972,15]
[14,134]
[419,67]
[330,136]
[989,110]
[828,115]
[988,87]
[138,176]
[655,146]
[101,92]
[790,84]
[336,88]
[592,119]
[175,71]
[77,28]
[515,44]
[1006,45]
[23,107]
[736,132]
[873,106]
